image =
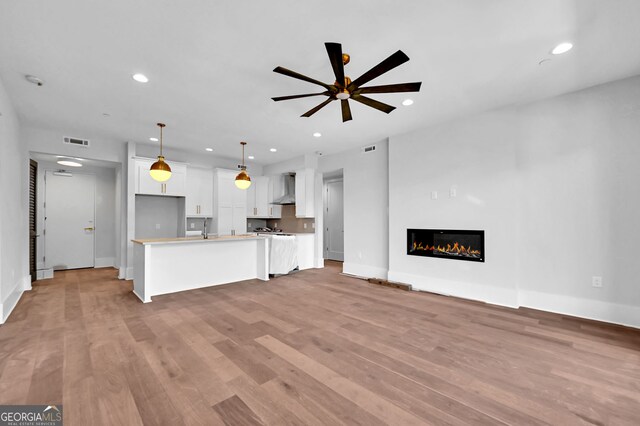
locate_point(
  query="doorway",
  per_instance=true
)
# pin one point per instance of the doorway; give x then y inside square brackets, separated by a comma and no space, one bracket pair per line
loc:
[69,218]
[334,219]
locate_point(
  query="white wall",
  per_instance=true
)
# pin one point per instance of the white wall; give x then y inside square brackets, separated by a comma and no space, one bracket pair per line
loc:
[553,184]
[14,209]
[106,235]
[366,202]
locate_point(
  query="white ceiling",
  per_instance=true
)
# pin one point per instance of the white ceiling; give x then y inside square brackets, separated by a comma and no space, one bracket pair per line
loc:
[209,65]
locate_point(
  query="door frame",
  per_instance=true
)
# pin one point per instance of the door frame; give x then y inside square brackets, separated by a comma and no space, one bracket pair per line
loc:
[44,238]
[325,221]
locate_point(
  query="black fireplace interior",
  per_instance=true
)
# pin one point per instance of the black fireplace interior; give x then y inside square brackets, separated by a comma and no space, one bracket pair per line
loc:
[446,244]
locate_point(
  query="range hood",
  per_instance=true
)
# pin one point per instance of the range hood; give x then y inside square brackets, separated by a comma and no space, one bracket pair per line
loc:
[289,196]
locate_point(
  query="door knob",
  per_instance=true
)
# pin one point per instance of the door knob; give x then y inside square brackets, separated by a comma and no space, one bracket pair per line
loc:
[89,229]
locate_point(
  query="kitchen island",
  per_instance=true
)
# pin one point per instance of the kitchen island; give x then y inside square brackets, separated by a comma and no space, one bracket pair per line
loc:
[169,265]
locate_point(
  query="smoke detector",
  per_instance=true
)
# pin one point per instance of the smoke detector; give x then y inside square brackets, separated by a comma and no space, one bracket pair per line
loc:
[35,80]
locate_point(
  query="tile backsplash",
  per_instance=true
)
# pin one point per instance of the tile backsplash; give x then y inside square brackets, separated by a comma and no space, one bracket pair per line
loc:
[290,223]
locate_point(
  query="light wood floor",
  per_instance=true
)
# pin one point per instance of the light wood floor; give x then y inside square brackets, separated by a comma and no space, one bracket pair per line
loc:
[312,348]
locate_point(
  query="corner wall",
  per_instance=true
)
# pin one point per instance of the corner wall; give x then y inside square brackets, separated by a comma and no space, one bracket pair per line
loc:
[14,209]
[553,184]
[366,207]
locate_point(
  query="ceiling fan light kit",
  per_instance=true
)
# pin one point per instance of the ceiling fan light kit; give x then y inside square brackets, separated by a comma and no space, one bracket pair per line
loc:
[344,89]
[160,170]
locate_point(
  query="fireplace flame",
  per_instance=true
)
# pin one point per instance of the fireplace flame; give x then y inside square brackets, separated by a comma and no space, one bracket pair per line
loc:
[456,248]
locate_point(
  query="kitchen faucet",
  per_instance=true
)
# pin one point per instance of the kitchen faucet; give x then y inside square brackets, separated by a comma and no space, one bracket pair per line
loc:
[204,230]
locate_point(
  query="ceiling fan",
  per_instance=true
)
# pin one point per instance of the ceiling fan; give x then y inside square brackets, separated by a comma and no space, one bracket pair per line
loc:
[344,89]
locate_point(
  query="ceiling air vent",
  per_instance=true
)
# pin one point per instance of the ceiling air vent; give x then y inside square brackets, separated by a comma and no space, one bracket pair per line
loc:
[369,148]
[76,141]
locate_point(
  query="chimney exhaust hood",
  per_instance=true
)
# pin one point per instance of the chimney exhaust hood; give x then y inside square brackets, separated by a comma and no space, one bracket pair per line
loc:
[289,196]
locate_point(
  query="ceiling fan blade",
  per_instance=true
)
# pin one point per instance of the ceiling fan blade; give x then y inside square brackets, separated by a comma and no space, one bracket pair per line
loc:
[388,64]
[373,103]
[284,71]
[346,110]
[317,108]
[335,56]
[286,98]
[391,88]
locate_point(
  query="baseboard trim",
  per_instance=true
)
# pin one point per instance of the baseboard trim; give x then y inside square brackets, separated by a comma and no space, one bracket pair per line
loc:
[583,308]
[364,271]
[464,290]
[105,262]
[141,299]
[10,302]
[128,273]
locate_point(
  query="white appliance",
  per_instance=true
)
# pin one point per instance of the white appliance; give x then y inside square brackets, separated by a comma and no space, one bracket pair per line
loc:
[283,254]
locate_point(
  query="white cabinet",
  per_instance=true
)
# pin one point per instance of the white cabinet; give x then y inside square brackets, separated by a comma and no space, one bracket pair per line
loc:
[199,192]
[305,196]
[258,197]
[230,204]
[276,190]
[305,250]
[174,187]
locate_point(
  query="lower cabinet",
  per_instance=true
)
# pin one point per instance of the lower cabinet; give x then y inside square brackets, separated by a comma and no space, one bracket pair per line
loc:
[306,247]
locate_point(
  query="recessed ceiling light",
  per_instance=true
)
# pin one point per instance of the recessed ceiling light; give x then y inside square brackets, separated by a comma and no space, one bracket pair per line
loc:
[153,139]
[140,78]
[407,102]
[273,150]
[208,149]
[562,48]
[251,157]
[317,134]
[69,163]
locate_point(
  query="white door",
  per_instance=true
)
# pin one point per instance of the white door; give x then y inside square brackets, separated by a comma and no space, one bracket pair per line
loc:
[334,226]
[69,221]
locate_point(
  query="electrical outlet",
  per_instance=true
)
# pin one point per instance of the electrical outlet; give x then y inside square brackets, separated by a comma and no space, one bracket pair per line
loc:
[304,225]
[193,225]
[276,225]
[157,226]
[249,225]
[434,195]
[453,192]
[313,225]
[596,281]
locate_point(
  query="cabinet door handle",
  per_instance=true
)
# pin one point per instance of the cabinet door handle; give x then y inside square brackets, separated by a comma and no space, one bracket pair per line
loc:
[270,211]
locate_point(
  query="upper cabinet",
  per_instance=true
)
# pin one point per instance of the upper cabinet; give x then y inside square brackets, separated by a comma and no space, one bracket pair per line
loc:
[174,187]
[276,190]
[305,197]
[258,197]
[230,212]
[199,190]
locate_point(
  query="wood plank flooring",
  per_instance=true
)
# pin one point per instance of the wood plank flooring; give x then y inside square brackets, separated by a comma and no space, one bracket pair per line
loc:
[314,348]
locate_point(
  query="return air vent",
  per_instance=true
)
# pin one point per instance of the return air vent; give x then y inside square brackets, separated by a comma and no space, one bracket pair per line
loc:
[369,148]
[76,141]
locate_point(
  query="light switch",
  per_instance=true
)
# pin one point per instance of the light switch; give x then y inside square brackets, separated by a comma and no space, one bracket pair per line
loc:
[313,225]
[193,225]
[304,225]
[453,192]
[434,195]
[157,226]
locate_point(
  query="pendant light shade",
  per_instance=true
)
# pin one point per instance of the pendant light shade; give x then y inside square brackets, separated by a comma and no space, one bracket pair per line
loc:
[160,170]
[243,181]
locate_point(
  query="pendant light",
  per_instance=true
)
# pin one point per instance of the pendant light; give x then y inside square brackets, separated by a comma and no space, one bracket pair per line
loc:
[243,181]
[160,170]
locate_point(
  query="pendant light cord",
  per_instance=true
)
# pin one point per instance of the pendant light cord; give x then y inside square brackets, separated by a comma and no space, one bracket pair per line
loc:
[161,125]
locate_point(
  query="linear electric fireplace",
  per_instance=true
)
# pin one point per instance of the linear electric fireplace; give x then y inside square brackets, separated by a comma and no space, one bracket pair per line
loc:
[446,244]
